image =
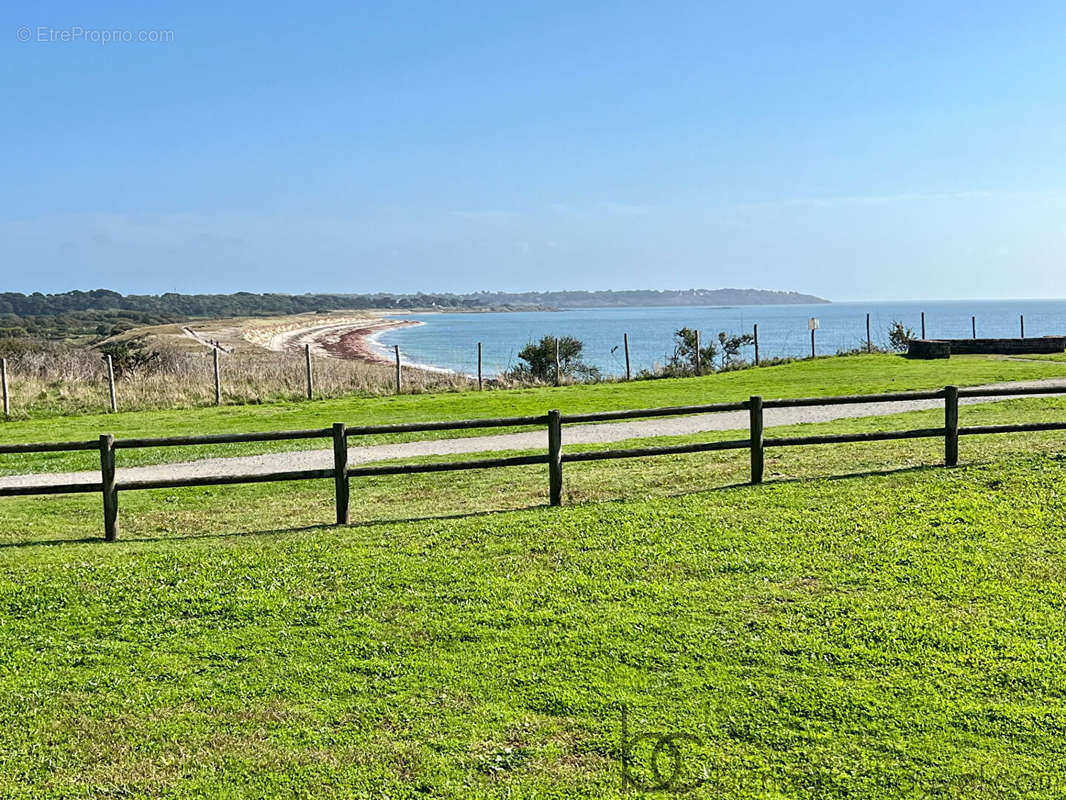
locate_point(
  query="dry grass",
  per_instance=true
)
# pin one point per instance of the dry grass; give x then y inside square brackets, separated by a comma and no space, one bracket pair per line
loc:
[57,379]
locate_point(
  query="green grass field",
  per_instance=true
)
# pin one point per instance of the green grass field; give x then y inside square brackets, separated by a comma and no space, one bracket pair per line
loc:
[866,624]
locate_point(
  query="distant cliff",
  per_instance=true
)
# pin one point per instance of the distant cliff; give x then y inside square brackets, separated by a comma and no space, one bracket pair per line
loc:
[647,297]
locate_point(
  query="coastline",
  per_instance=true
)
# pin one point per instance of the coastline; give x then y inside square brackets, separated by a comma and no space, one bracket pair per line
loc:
[360,344]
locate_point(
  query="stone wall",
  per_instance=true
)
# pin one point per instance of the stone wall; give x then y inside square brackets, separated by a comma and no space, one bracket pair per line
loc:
[943,348]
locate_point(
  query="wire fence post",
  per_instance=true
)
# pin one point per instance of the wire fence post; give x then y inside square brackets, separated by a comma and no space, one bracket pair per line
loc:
[558,363]
[1021,319]
[310,376]
[923,324]
[951,426]
[399,379]
[340,472]
[555,458]
[699,365]
[812,343]
[757,450]
[111,384]
[480,385]
[218,379]
[755,336]
[3,382]
[973,326]
[625,345]
[108,486]
[869,341]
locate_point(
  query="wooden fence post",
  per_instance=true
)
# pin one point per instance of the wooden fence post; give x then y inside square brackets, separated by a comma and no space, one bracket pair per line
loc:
[555,458]
[1021,319]
[108,486]
[973,326]
[923,324]
[111,384]
[340,472]
[310,376]
[3,381]
[812,343]
[558,363]
[480,386]
[869,341]
[625,345]
[399,379]
[218,379]
[951,426]
[755,417]
[755,336]
[699,365]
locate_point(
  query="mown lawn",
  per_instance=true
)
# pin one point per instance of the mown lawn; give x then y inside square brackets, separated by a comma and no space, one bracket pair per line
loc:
[901,633]
[818,377]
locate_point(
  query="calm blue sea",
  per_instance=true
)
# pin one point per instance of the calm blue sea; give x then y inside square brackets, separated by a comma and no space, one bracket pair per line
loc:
[449,340]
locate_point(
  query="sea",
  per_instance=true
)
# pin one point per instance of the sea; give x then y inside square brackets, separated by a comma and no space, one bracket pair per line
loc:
[449,340]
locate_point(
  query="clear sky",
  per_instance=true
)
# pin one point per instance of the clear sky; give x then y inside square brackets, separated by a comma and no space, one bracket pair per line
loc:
[849,149]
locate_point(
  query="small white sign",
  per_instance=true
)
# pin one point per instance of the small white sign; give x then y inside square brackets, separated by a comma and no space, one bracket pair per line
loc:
[813,324]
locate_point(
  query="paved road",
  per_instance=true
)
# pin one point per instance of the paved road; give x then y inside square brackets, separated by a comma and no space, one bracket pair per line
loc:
[594,433]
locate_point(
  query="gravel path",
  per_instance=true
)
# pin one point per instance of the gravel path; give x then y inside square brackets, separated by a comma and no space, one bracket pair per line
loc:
[595,433]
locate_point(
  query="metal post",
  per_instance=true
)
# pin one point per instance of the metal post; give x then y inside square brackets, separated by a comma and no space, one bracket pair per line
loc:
[625,345]
[111,384]
[340,472]
[310,377]
[3,383]
[109,486]
[558,366]
[755,417]
[923,324]
[480,385]
[951,426]
[555,458]
[218,379]
[755,335]
[869,341]
[399,379]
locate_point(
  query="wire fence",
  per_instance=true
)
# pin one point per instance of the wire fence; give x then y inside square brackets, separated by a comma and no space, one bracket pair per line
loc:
[222,377]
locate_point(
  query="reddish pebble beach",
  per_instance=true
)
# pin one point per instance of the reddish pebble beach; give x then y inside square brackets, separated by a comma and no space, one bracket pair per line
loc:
[354,345]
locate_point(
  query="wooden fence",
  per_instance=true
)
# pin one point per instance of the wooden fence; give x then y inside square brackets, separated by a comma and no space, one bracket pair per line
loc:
[340,434]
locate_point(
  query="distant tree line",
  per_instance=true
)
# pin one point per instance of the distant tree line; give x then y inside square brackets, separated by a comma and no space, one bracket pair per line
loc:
[218,305]
[248,303]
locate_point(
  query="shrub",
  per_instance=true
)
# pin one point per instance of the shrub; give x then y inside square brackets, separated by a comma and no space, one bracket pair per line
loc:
[720,357]
[129,358]
[730,350]
[539,358]
[899,335]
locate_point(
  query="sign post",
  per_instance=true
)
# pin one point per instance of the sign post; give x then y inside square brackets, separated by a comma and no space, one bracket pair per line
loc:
[813,324]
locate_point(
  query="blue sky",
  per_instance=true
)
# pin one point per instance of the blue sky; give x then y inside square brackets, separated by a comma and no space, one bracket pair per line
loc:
[853,150]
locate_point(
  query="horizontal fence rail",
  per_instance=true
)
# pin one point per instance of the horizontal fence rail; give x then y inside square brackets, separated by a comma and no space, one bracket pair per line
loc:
[341,473]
